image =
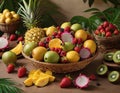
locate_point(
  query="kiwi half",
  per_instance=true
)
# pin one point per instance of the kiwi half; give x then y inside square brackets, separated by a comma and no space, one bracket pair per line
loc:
[116,57]
[102,70]
[114,76]
[108,56]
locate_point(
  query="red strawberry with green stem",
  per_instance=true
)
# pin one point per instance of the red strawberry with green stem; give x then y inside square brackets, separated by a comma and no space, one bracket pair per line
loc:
[66,82]
[22,72]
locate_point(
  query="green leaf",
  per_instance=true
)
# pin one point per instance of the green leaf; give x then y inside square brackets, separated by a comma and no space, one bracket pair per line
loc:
[81,20]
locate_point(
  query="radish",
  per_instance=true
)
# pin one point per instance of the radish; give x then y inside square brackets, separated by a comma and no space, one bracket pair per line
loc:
[82,81]
[85,53]
[66,37]
[3,43]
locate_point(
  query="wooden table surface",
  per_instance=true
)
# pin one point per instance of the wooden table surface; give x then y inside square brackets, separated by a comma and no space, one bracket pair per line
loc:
[104,87]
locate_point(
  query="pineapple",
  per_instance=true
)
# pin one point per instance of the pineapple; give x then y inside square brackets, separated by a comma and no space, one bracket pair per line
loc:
[30,14]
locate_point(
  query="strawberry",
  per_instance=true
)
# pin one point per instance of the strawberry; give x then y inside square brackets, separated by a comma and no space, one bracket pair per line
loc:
[66,82]
[67,29]
[22,72]
[108,34]
[97,32]
[12,37]
[10,68]
[77,49]
[74,41]
[41,43]
[92,77]
[116,32]
[20,38]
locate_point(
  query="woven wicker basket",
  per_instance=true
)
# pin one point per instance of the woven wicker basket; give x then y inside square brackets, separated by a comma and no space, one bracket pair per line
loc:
[108,42]
[61,68]
[9,28]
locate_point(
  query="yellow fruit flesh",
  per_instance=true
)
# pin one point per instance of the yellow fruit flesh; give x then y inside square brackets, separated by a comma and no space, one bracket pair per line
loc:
[28,82]
[18,49]
[55,43]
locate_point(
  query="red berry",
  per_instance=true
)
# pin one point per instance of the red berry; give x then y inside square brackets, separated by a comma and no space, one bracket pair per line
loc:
[77,49]
[108,34]
[20,38]
[97,32]
[74,41]
[52,49]
[102,30]
[54,33]
[92,77]
[99,27]
[67,29]
[107,29]
[63,53]
[41,43]
[22,72]
[58,27]
[12,37]
[48,39]
[116,32]
[105,24]
[10,68]
[79,41]
[65,82]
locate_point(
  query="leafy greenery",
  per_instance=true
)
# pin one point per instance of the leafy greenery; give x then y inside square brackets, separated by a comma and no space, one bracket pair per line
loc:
[111,14]
[116,3]
[8,86]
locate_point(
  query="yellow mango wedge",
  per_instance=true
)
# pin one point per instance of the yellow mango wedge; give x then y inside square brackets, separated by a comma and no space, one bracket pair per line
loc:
[28,82]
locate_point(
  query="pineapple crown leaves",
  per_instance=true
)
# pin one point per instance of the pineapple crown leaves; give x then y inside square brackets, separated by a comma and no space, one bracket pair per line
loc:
[30,13]
[9,86]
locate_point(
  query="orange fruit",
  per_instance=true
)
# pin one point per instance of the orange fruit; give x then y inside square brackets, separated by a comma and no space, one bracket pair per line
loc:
[81,34]
[73,56]
[38,53]
[90,44]
[55,43]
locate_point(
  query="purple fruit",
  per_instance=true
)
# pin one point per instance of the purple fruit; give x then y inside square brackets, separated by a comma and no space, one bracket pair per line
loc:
[3,43]
[85,53]
[66,37]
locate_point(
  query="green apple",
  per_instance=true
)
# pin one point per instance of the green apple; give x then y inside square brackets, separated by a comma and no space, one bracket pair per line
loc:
[68,46]
[65,24]
[76,27]
[51,57]
[29,47]
[9,57]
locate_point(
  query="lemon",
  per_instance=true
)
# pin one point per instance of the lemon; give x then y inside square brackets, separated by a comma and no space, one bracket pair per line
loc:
[38,53]
[81,34]
[2,18]
[12,12]
[16,16]
[90,44]
[50,30]
[8,20]
[55,43]
[5,11]
[72,56]
[8,15]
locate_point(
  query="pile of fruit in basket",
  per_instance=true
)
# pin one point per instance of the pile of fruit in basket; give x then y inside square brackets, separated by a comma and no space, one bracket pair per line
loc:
[67,43]
[106,29]
[8,16]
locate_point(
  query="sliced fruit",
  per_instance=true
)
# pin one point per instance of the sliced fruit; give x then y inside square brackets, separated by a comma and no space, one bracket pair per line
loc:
[3,43]
[102,69]
[114,77]
[85,53]
[55,43]
[66,37]
[41,82]
[73,56]
[116,57]
[82,81]
[108,56]
[18,49]
[90,44]
[28,82]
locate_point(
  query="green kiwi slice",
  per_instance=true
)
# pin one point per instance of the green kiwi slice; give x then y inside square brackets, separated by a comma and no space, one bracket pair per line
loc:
[108,56]
[116,57]
[114,76]
[102,70]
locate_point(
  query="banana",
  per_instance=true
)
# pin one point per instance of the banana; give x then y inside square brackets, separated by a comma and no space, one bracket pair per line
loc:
[18,49]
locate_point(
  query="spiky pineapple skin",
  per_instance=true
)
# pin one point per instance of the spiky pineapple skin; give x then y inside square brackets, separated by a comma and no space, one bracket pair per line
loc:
[34,35]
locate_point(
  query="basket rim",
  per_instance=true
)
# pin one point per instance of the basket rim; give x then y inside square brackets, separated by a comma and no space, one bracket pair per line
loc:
[14,22]
[60,64]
